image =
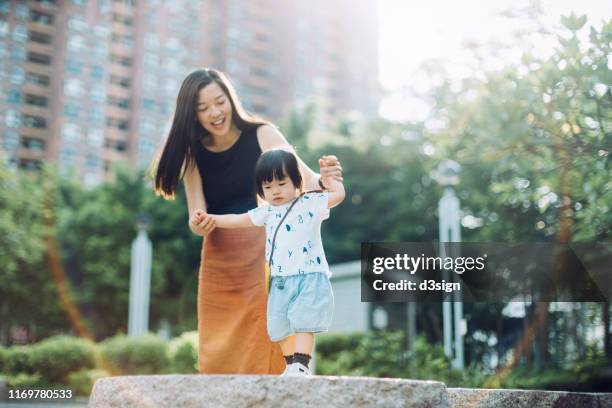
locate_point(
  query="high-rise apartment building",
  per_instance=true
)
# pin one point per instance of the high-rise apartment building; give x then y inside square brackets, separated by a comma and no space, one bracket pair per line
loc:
[85,83]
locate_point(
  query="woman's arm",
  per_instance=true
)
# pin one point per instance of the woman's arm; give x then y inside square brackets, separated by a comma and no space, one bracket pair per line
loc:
[269,138]
[196,201]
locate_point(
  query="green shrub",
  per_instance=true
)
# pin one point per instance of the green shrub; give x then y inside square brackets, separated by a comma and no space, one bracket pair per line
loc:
[18,359]
[3,357]
[333,343]
[183,353]
[25,380]
[383,354]
[81,382]
[146,354]
[56,357]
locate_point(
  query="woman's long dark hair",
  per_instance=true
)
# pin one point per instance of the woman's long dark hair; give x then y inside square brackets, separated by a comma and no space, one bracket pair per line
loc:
[186,132]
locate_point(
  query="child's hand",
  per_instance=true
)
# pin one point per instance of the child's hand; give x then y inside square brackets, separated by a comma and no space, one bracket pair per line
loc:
[198,216]
[202,223]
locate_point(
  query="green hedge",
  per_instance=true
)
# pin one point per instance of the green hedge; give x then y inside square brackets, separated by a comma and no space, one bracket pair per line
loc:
[383,354]
[3,356]
[183,353]
[46,363]
[56,357]
[71,361]
[18,359]
[146,354]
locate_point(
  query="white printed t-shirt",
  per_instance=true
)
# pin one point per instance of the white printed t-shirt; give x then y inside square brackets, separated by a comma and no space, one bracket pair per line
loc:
[298,247]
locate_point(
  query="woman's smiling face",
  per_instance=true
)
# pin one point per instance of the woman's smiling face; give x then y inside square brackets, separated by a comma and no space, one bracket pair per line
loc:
[214,110]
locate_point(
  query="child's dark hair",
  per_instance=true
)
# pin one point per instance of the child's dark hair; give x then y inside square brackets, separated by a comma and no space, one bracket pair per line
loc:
[276,164]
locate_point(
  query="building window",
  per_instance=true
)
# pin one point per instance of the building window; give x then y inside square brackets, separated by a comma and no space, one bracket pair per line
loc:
[92,161]
[46,2]
[36,100]
[37,122]
[121,146]
[121,124]
[67,155]
[11,139]
[76,43]
[95,137]
[41,18]
[149,82]
[151,61]
[37,79]
[74,66]
[97,93]
[13,96]
[73,87]
[120,18]
[97,72]
[21,11]
[151,41]
[13,118]
[147,126]
[125,40]
[20,34]
[28,164]
[42,38]
[39,58]
[148,104]
[71,110]
[118,59]
[97,115]
[5,6]
[17,75]
[18,52]
[171,86]
[34,145]
[101,31]
[119,102]
[100,50]
[70,132]
[77,24]
[121,81]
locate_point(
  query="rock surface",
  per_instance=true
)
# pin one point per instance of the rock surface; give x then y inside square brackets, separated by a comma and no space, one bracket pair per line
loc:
[229,391]
[484,398]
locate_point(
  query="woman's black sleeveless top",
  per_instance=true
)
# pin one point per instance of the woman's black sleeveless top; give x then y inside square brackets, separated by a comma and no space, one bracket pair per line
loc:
[228,177]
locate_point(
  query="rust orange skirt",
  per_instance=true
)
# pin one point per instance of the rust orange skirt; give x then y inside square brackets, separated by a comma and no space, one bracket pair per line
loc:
[232,305]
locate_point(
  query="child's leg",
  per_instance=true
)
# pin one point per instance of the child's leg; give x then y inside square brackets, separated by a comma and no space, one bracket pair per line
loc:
[303,343]
[303,350]
[287,345]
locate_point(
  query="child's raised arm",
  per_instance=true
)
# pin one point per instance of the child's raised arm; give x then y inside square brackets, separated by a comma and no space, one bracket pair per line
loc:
[231,220]
[335,191]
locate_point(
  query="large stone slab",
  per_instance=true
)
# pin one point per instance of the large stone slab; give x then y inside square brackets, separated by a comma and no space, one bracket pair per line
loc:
[486,398]
[229,391]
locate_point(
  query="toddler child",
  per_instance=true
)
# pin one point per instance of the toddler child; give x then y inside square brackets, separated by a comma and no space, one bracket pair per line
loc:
[300,300]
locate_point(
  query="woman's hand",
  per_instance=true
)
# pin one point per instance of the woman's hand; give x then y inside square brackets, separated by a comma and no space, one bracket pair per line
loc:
[330,168]
[202,223]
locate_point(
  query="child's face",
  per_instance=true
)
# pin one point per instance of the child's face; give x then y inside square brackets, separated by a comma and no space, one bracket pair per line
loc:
[278,192]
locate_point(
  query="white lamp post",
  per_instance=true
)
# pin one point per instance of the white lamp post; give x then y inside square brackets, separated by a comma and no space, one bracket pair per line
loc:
[447,175]
[140,279]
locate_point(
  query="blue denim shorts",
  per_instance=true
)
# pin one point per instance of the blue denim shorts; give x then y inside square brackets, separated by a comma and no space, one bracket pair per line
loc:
[299,304]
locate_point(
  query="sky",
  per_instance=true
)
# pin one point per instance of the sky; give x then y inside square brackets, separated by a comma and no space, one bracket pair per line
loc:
[412,31]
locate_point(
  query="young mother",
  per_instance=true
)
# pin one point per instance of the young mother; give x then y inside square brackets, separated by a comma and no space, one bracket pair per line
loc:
[213,146]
